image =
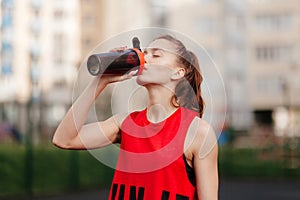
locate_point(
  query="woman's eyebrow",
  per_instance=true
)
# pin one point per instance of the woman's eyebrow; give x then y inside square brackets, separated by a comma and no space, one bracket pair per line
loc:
[153,49]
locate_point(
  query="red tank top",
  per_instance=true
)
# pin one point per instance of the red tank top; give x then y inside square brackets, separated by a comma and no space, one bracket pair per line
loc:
[151,165]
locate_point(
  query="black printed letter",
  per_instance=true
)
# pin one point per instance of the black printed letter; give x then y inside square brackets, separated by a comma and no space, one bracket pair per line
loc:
[165,195]
[132,195]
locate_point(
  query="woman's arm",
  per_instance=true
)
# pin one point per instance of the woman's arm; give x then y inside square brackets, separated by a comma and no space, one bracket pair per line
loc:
[73,134]
[205,153]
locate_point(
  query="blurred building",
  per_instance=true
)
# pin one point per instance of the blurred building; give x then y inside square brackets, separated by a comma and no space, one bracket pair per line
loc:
[219,27]
[254,43]
[101,20]
[39,53]
[273,52]
[256,46]
[6,59]
[43,44]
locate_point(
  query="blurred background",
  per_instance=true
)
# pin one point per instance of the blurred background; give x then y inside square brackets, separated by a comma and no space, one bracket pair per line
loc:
[255,44]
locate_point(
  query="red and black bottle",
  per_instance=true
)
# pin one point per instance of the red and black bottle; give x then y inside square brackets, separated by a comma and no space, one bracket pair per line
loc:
[117,63]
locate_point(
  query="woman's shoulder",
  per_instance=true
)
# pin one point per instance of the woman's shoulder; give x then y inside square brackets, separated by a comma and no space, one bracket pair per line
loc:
[203,136]
[202,123]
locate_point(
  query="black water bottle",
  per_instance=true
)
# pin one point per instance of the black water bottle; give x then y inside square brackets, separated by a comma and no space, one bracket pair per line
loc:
[117,63]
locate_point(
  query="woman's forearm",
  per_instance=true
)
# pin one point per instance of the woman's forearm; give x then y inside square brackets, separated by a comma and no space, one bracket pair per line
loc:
[76,116]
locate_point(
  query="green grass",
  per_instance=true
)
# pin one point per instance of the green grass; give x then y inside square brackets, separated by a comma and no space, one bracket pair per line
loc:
[249,163]
[53,171]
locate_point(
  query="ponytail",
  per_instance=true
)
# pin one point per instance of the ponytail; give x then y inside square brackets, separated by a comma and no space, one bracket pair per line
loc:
[188,90]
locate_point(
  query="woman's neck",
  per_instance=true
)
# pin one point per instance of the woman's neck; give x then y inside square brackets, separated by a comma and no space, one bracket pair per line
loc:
[159,103]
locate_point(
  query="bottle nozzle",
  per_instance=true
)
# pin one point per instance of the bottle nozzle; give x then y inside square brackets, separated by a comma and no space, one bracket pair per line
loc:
[136,43]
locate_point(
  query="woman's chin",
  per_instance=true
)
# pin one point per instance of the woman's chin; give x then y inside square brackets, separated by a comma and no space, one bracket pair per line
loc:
[140,81]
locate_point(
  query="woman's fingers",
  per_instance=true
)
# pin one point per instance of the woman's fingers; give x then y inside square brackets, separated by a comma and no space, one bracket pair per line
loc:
[119,49]
[117,78]
[133,72]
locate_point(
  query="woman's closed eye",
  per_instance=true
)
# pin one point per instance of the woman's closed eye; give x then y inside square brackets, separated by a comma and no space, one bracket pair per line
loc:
[157,53]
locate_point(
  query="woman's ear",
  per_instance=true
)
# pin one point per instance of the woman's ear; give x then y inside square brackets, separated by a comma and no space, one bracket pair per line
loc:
[178,74]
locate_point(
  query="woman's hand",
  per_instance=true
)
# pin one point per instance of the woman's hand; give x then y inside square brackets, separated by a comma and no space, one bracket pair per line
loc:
[107,79]
[116,78]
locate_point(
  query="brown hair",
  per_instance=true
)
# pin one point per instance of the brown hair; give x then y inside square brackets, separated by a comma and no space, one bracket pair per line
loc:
[188,90]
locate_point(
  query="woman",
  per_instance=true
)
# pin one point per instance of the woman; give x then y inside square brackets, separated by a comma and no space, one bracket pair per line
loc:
[167,151]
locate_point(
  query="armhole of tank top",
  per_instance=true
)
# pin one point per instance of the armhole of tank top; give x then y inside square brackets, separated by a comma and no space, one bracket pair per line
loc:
[119,137]
[190,171]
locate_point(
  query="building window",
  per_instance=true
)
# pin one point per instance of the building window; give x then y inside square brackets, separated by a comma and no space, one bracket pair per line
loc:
[58,14]
[35,26]
[59,47]
[273,21]
[36,4]
[87,43]
[59,83]
[160,12]
[88,20]
[274,53]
